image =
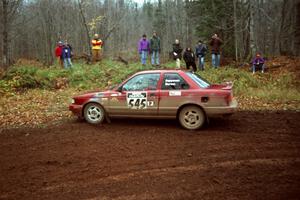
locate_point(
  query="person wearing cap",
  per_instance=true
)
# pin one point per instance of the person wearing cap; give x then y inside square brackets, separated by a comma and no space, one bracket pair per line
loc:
[155,49]
[96,48]
[200,54]
[144,49]
[58,53]
[258,63]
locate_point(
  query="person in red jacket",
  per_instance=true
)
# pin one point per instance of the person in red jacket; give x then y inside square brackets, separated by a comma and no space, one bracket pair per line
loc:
[58,53]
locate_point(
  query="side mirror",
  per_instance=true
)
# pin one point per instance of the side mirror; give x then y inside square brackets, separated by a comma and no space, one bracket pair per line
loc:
[119,89]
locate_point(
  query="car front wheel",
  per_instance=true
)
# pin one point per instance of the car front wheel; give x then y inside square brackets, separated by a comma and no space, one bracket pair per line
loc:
[191,117]
[94,113]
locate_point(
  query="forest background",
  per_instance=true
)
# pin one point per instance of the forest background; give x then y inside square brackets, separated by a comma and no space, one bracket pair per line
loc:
[36,91]
[31,28]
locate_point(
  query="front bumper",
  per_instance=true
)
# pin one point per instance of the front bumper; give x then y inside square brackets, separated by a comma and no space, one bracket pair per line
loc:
[76,109]
[222,110]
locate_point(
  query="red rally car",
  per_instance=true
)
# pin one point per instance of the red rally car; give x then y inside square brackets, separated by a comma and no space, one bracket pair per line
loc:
[177,94]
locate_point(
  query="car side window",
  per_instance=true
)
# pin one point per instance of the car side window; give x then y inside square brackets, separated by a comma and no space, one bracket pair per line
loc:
[173,81]
[142,82]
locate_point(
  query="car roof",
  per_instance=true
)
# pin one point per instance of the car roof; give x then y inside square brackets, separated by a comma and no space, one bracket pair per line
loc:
[161,71]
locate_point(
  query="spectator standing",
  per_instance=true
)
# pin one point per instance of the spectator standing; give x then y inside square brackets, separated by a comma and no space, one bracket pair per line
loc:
[189,58]
[201,49]
[258,63]
[58,53]
[177,51]
[155,49]
[215,44]
[66,56]
[96,48]
[68,44]
[144,49]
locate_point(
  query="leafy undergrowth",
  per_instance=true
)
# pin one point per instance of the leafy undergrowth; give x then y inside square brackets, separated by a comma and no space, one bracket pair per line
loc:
[33,95]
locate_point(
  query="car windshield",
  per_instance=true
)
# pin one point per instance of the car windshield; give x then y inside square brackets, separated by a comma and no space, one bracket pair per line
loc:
[199,80]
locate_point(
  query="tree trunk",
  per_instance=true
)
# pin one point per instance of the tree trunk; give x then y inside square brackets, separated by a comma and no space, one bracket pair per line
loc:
[252,44]
[235,30]
[5,60]
[86,31]
[297,31]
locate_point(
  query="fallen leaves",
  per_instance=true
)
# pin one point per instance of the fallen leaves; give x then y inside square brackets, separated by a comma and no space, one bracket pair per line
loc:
[35,107]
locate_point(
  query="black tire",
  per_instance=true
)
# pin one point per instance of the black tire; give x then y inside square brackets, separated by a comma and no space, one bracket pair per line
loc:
[94,113]
[191,117]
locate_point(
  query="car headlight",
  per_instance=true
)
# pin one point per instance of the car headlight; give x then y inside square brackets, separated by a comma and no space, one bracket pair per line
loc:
[72,101]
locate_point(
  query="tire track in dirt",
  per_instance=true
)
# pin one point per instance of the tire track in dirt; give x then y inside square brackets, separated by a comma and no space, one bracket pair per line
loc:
[181,169]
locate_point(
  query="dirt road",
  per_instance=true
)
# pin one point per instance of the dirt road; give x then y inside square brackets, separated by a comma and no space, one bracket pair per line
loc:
[249,156]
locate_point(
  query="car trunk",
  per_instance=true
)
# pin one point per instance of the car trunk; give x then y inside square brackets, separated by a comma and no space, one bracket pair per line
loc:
[227,87]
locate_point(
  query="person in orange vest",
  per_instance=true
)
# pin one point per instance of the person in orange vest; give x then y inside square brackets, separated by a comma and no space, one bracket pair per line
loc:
[96,48]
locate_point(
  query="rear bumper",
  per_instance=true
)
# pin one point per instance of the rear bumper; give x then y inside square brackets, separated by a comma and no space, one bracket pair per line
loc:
[222,110]
[76,109]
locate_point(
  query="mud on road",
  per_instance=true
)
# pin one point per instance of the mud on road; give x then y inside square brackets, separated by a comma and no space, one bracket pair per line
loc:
[252,155]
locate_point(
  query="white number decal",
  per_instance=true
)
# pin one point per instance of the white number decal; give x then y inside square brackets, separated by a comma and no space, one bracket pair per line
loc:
[150,103]
[137,100]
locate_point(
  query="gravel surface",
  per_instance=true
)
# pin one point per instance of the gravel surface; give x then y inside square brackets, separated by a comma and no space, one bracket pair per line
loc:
[252,155]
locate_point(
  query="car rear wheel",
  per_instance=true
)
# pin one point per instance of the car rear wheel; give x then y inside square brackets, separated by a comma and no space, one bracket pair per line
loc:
[94,113]
[191,117]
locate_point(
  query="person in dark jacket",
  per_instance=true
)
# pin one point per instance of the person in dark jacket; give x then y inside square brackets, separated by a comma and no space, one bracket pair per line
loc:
[258,63]
[201,49]
[155,49]
[177,51]
[71,49]
[66,56]
[215,44]
[189,58]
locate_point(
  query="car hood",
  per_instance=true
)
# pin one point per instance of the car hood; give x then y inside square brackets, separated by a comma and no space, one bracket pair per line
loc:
[96,93]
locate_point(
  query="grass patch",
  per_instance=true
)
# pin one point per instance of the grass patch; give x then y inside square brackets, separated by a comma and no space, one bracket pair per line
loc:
[266,87]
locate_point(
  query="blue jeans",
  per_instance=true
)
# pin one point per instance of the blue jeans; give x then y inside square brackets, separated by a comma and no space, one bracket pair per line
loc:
[259,66]
[144,55]
[201,62]
[215,59]
[67,63]
[155,57]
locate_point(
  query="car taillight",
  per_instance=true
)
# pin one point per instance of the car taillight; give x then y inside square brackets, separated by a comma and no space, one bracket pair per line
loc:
[229,97]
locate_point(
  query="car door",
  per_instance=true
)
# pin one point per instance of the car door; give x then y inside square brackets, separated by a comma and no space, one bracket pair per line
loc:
[174,91]
[138,96]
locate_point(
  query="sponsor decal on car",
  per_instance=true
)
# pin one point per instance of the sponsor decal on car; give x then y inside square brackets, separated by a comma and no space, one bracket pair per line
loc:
[99,94]
[175,93]
[114,99]
[171,82]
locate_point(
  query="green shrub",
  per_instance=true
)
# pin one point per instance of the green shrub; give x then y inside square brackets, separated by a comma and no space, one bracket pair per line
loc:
[87,77]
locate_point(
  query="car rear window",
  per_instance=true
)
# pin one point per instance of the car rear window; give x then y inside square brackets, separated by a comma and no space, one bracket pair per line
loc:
[199,80]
